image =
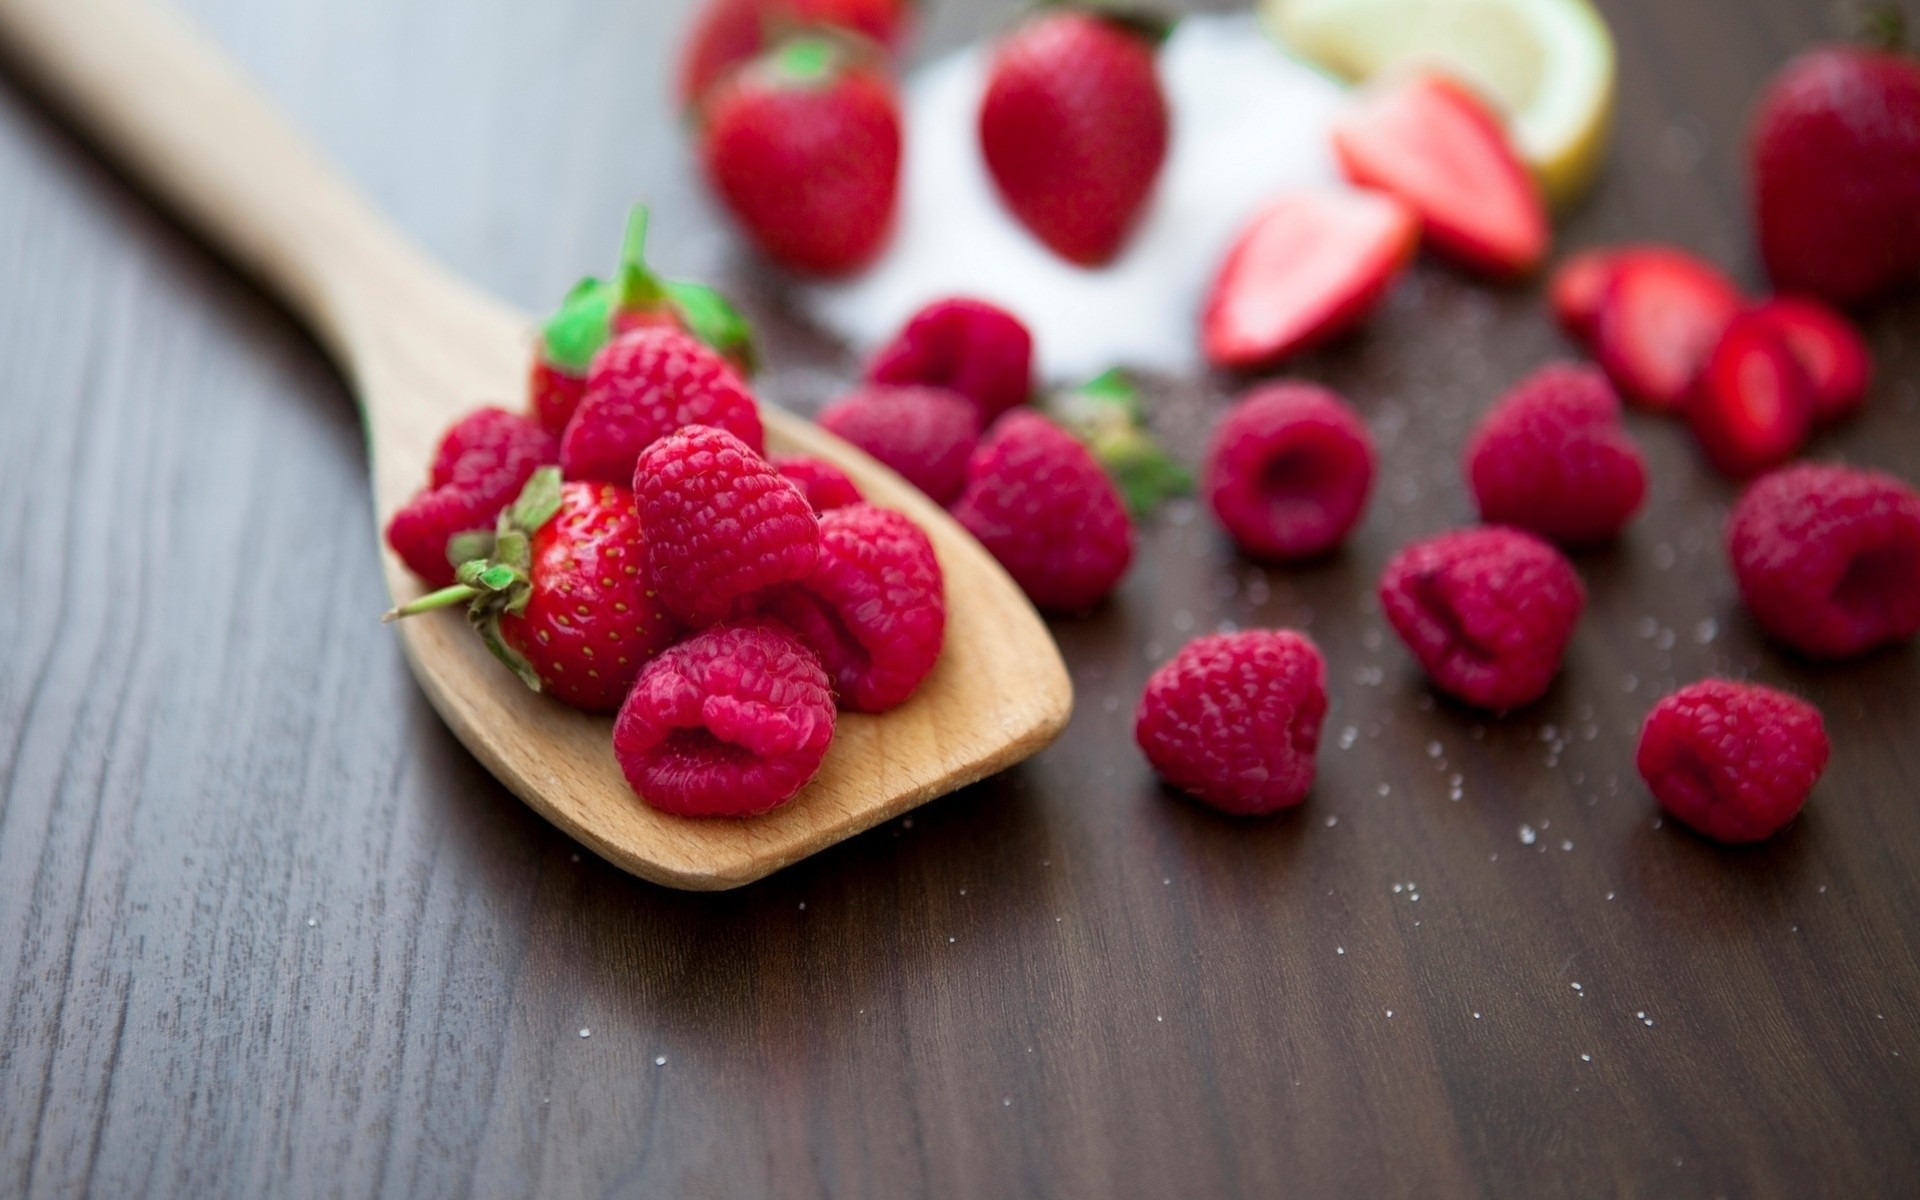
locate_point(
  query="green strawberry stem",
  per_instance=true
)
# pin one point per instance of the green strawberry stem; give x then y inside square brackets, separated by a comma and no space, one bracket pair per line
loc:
[1884,27]
[808,60]
[500,584]
[586,319]
[1107,416]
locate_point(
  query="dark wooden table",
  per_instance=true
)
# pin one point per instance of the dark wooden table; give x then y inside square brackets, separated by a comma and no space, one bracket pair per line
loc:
[265,929]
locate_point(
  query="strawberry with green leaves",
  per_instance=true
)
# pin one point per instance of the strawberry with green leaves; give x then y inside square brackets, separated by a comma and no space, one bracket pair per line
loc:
[558,592]
[635,298]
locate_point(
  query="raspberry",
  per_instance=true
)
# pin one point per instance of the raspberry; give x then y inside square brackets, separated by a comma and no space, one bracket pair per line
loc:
[1234,719]
[1733,761]
[480,466]
[729,723]
[1828,558]
[1289,470]
[722,527]
[923,433]
[1553,458]
[643,386]
[966,346]
[1039,502]
[1488,612]
[824,485]
[874,610]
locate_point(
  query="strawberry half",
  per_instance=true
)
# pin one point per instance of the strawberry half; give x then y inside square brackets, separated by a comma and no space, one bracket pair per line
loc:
[1074,128]
[1311,264]
[1752,406]
[1661,315]
[1430,141]
[559,595]
[1829,348]
[803,146]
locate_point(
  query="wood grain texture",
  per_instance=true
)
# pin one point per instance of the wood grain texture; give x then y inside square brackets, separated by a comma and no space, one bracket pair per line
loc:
[266,929]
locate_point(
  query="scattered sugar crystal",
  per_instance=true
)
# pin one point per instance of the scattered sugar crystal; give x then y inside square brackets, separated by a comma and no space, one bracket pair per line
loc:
[1528,835]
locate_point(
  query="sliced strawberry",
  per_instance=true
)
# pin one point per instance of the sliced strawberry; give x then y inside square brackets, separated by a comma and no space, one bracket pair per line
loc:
[1428,140]
[1661,315]
[1829,348]
[1577,289]
[1752,406]
[1311,264]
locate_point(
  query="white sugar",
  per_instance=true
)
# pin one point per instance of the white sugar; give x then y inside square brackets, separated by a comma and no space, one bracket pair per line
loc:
[1248,123]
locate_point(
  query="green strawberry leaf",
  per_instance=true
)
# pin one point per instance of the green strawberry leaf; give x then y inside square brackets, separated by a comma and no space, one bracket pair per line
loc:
[1107,415]
[713,319]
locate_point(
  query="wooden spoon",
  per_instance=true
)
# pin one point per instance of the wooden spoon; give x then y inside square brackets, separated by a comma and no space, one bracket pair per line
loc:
[419,348]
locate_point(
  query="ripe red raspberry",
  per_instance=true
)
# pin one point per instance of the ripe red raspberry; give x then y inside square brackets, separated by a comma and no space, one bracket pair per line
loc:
[722,526]
[874,610]
[1733,761]
[1234,719]
[480,466]
[925,434]
[729,723]
[1040,503]
[824,485]
[1552,457]
[1289,470]
[1828,558]
[644,385]
[966,346]
[1488,612]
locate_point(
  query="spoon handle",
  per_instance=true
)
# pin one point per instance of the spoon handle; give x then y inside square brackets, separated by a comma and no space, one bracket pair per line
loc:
[184,122]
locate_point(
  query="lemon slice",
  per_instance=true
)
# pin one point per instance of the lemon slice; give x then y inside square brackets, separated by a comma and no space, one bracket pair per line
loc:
[1548,64]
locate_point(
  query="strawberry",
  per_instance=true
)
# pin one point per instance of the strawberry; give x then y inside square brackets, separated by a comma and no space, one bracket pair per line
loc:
[1311,264]
[729,33]
[1580,284]
[1662,313]
[1074,128]
[1752,406]
[1831,351]
[1428,140]
[1835,159]
[595,310]
[803,145]
[560,597]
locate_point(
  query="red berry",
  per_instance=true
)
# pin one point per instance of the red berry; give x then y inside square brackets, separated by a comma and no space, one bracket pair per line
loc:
[824,485]
[1732,761]
[1828,558]
[925,434]
[480,466]
[589,623]
[804,148]
[1578,287]
[555,395]
[1234,719]
[1288,471]
[1309,266]
[1488,612]
[644,385]
[1552,457]
[1074,129]
[727,34]
[1828,347]
[1661,315]
[966,346]
[1836,174]
[1752,406]
[729,723]
[722,526]
[874,610]
[1430,141]
[1040,503]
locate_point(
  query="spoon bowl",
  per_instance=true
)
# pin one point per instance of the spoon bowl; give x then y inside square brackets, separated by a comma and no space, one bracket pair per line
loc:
[421,348]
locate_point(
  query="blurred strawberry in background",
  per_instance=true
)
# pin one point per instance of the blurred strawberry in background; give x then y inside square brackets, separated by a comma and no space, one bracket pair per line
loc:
[726,34]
